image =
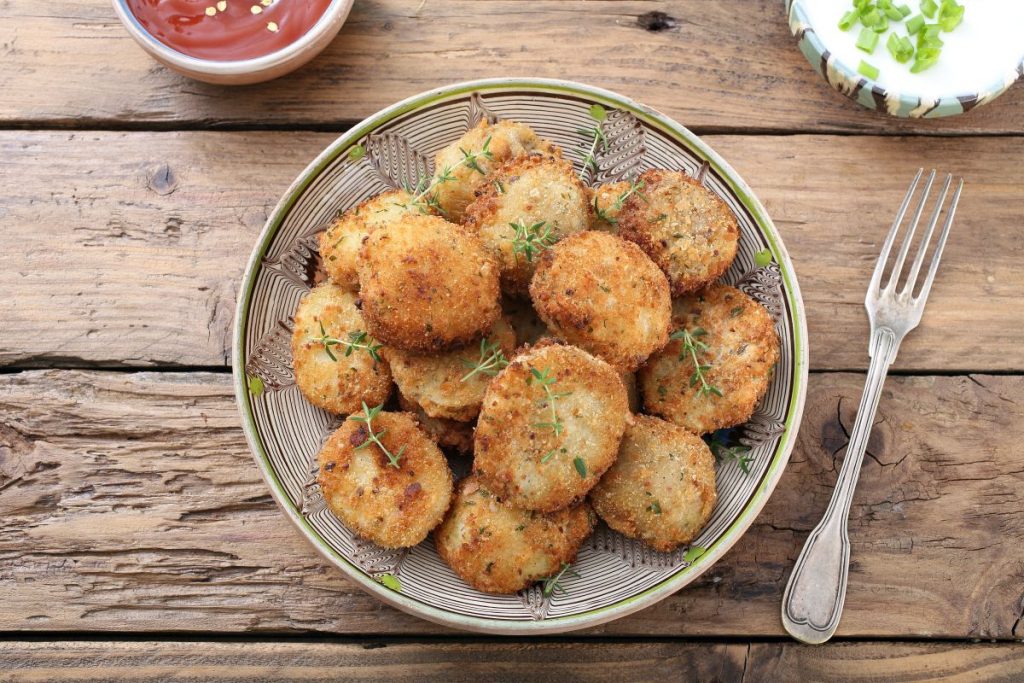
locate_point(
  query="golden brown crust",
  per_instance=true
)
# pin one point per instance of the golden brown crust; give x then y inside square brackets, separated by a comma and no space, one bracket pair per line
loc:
[452,434]
[603,198]
[632,390]
[427,285]
[686,229]
[603,294]
[527,191]
[521,455]
[508,140]
[444,384]
[661,488]
[395,507]
[340,243]
[500,549]
[743,347]
[341,384]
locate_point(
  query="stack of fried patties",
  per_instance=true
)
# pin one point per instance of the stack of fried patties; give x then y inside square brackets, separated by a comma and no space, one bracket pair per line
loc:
[520,313]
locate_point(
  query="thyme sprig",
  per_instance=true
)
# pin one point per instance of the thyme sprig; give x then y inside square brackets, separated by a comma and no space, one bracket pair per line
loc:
[423,196]
[551,583]
[718,442]
[492,360]
[635,186]
[374,437]
[357,339]
[546,380]
[529,239]
[692,347]
[597,137]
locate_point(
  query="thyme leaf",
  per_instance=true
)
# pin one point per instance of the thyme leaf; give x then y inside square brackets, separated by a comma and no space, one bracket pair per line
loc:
[374,437]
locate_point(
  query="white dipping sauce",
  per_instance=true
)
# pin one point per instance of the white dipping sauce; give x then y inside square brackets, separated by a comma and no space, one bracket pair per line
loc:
[983,50]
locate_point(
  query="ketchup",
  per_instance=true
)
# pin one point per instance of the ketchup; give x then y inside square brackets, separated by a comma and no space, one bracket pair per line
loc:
[227,30]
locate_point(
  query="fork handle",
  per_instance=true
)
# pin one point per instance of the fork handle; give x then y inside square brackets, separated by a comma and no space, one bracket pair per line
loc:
[813,601]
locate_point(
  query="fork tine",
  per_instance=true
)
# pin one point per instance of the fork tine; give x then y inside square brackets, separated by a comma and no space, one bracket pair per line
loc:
[876,277]
[927,287]
[922,249]
[897,268]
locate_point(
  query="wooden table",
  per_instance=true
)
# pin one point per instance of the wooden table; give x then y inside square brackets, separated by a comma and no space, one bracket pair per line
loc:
[137,539]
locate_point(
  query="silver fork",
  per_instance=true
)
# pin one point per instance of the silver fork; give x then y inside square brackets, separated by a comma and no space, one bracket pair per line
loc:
[813,601]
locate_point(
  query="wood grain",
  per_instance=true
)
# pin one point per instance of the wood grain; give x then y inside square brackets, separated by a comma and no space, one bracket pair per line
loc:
[714,66]
[373,661]
[129,501]
[125,249]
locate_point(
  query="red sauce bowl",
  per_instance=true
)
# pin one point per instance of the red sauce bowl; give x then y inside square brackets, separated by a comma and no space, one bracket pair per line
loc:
[233,42]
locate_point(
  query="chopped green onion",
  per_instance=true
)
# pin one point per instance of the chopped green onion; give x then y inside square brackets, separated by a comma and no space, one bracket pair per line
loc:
[928,8]
[870,17]
[950,16]
[904,10]
[893,13]
[929,36]
[867,40]
[882,26]
[900,48]
[866,69]
[849,19]
[925,59]
[915,24]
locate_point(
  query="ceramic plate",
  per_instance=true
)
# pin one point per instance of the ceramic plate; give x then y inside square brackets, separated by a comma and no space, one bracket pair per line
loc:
[614,575]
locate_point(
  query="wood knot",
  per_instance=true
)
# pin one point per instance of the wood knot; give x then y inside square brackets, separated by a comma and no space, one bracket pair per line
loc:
[657,21]
[163,181]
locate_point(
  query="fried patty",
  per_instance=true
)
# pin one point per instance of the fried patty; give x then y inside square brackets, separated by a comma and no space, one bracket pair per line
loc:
[504,140]
[427,284]
[393,506]
[632,391]
[451,384]
[685,228]
[549,427]
[607,203]
[742,348]
[325,375]
[340,243]
[606,296]
[452,434]
[661,488]
[528,204]
[497,548]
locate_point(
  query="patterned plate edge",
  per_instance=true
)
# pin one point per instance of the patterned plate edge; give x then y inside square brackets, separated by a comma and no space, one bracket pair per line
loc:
[636,602]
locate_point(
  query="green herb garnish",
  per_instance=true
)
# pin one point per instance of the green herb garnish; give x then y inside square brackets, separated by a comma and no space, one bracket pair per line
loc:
[374,437]
[492,360]
[546,380]
[551,586]
[357,339]
[634,188]
[693,347]
[529,239]
[424,197]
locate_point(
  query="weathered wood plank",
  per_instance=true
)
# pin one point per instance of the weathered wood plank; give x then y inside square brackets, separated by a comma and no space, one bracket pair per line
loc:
[129,250]
[882,662]
[130,501]
[715,66]
[22,662]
